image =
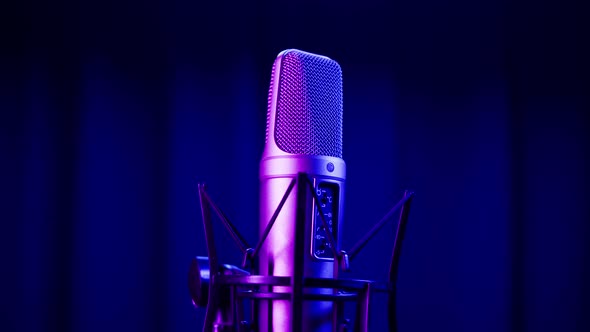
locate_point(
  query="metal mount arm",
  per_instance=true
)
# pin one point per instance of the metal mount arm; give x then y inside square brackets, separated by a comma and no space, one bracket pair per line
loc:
[298,282]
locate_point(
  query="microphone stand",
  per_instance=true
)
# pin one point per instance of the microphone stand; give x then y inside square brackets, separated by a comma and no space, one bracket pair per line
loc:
[225,287]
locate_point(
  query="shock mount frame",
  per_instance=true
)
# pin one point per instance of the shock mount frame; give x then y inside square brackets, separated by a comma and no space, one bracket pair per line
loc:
[222,282]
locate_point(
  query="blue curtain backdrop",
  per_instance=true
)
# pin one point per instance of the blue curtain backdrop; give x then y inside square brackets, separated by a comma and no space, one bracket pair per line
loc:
[112,111]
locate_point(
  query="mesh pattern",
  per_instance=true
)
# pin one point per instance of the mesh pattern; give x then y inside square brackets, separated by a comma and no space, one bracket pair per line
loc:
[309,105]
[272,79]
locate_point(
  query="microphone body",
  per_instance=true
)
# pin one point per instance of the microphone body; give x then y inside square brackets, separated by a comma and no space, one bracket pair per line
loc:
[303,134]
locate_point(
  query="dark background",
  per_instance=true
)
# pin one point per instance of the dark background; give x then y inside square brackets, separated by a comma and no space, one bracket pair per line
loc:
[112,111]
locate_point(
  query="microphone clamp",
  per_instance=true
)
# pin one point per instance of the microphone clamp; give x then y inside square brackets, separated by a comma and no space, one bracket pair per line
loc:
[232,296]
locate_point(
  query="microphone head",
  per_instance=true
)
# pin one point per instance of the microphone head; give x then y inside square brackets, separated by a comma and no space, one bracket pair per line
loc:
[304,106]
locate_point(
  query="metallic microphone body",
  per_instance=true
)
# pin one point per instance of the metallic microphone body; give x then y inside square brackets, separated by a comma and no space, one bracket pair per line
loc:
[303,134]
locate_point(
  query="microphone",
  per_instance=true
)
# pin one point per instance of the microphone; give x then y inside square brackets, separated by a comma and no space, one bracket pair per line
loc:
[291,278]
[303,134]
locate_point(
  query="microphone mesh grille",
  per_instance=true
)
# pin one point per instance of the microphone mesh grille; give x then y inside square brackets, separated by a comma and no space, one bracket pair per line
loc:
[272,79]
[309,105]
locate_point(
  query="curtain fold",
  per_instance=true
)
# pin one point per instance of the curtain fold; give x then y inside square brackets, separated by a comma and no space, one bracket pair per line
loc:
[111,113]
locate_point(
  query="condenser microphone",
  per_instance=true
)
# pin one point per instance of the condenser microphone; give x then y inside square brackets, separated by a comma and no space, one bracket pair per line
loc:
[303,135]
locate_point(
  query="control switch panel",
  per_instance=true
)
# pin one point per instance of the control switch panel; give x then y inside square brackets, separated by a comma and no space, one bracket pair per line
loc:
[329,203]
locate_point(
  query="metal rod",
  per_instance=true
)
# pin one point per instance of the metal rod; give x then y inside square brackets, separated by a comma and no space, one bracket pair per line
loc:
[362,319]
[395,255]
[225,219]
[297,281]
[232,230]
[213,297]
[365,239]
[273,218]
